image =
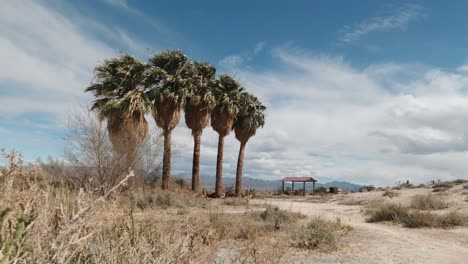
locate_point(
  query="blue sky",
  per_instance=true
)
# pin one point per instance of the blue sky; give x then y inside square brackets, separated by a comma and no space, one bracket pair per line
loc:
[364,91]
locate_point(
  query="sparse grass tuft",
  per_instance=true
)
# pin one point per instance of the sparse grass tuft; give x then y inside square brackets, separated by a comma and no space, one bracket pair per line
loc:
[386,212]
[236,201]
[428,202]
[278,217]
[321,234]
[440,189]
[391,193]
[459,181]
[443,185]
[420,219]
[414,218]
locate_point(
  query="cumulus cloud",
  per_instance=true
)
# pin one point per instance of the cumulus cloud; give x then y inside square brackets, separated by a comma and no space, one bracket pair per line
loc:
[399,19]
[379,124]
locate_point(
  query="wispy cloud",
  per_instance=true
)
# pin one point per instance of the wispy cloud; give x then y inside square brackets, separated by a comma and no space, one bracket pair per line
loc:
[259,47]
[232,62]
[398,19]
[159,26]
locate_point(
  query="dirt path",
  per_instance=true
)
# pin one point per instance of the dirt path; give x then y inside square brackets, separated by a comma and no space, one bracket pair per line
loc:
[381,243]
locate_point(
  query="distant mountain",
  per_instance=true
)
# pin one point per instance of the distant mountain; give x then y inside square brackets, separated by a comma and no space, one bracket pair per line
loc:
[208,182]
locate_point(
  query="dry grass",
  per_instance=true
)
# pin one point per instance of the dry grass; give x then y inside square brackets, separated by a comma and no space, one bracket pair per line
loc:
[351,202]
[236,201]
[413,218]
[428,202]
[321,234]
[419,219]
[390,193]
[42,223]
[440,189]
[385,212]
[443,185]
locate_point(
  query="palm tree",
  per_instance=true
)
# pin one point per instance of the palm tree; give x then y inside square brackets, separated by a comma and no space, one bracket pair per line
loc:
[251,117]
[227,97]
[121,101]
[168,82]
[198,107]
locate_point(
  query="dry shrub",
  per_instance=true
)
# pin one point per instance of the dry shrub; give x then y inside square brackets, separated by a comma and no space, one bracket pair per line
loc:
[465,187]
[236,201]
[391,193]
[320,234]
[414,219]
[443,185]
[278,217]
[459,181]
[163,199]
[440,189]
[386,212]
[428,202]
[420,219]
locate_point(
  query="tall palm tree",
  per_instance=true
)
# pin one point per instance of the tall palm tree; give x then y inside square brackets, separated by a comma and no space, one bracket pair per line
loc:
[121,101]
[251,117]
[168,82]
[198,107]
[227,97]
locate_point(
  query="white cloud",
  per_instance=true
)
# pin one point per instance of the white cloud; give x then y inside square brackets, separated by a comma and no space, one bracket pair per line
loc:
[400,19]
[231,62]
[166,33]
[375,125]
[259,47]
[48,57]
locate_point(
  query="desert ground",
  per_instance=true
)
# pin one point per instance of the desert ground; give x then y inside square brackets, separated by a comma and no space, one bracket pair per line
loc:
[382,242]
[48,221]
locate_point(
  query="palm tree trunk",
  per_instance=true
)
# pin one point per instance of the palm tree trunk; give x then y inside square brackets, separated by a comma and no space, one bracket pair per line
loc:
[166,160]
[196,161]
[219,167]
[240,163]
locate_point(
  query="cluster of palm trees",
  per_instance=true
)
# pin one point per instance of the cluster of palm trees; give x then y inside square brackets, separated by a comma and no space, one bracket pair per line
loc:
[126,88]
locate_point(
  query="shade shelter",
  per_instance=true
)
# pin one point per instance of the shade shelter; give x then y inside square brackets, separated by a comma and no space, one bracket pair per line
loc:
[300,179]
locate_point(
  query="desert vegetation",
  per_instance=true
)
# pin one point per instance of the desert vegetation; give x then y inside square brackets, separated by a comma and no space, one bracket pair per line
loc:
[417,215]
[42,222]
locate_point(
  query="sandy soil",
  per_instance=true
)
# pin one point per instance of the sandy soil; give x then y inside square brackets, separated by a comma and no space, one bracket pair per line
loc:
[383,242]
